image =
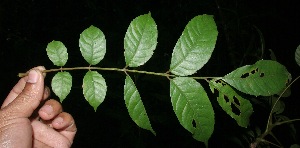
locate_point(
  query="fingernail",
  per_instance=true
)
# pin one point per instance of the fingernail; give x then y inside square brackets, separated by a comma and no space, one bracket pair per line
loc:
[58,120]
[47,109]
[33,76]
[46,92]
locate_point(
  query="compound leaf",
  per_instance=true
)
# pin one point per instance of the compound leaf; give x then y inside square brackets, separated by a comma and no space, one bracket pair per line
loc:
[232,103]
[192,107]
[57,53]
[135,105]
[297,55]
[61,84]
[265,78]
[94,88]
[92,45]
[195,46]
[140,40]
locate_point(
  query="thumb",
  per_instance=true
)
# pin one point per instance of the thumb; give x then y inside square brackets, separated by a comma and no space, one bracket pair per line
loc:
[30,97]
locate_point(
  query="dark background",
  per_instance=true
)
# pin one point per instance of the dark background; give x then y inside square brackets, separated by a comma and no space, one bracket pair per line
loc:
[26,27]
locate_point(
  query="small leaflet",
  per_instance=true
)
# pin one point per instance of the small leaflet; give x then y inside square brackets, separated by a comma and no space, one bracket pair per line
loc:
[94,88]
[140,40]
[61,84]
[192,107]
[265,78]
[135,105]
[195,46]
[92,45]
[57,53]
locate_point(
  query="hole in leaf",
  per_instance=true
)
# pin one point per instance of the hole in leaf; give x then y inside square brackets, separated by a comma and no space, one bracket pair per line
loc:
[226,99]
[209,79]
[220,81]
[194,123]
[254,71]
[236,101]
[262,74]
[235,110]
[245,75]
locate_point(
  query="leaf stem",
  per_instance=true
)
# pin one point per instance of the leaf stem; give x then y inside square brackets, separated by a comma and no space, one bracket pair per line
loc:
[280,96]
[166,74]
[288,121]
[270,124]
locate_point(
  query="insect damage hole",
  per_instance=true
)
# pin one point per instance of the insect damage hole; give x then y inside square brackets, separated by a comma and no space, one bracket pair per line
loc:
[226,98]
[194,123]
[262,74]
[220,81]
[234,106]
[235,110]
[245,75]
[236,101]
[254,71]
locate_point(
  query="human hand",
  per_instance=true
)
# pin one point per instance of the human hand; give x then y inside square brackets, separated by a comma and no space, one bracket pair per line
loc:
[26,122]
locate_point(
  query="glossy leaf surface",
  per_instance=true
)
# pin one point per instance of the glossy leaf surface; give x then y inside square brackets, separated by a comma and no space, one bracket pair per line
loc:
[135,105]
[232,103]
[61,84]
[92,45]
[57,53]
[140,40]
[94,88]
[192,107]
[195,46]
[264,78]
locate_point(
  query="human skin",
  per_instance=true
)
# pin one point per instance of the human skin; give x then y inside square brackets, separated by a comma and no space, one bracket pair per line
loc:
[28,119]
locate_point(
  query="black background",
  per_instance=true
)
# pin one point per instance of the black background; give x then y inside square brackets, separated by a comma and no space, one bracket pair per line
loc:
[26,27]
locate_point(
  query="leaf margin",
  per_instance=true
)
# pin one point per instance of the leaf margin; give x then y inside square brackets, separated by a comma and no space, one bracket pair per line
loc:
[131,54]
[208,113]
[183,59]
[94,88]
[143,124]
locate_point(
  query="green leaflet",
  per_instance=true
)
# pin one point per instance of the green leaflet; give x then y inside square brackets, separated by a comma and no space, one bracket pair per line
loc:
[57,53]
[92,45]
[140,40]
[192,107]
[230,100]
[61,84]
[195,46]
[94,88]
[135,105]
[265,78]
[297,55]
